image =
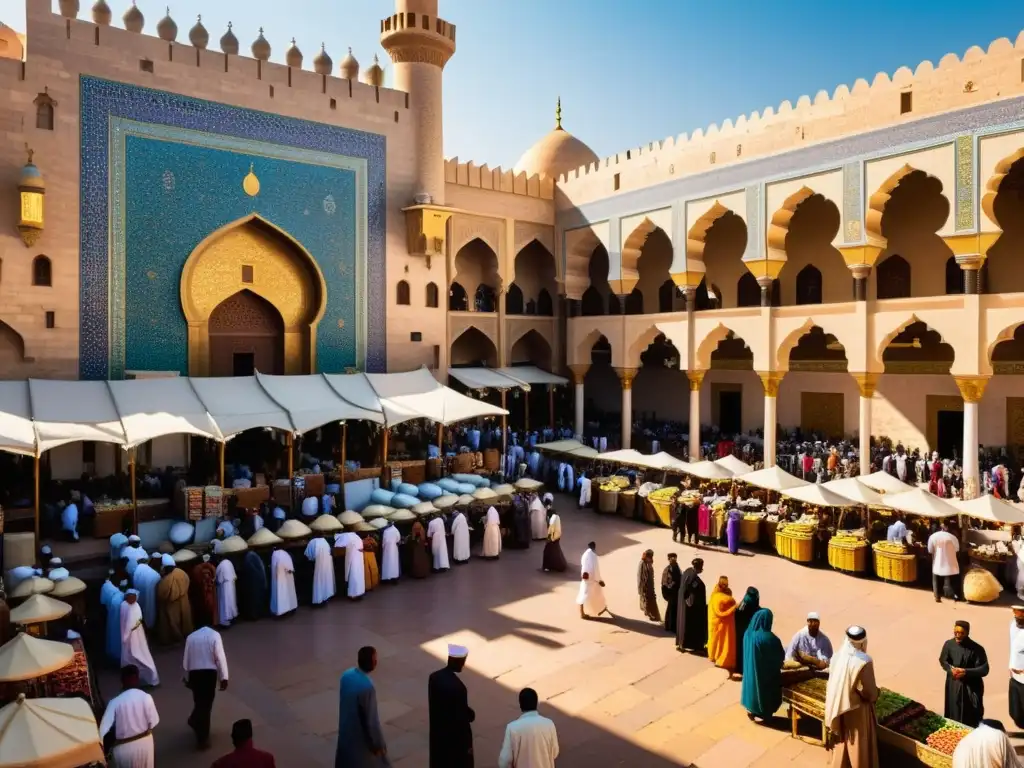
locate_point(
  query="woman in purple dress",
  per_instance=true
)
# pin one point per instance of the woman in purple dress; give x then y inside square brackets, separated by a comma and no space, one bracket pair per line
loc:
[732,531]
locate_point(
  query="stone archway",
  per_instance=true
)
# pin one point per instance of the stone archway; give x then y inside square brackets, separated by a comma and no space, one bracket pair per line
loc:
[246,335]
[237,270]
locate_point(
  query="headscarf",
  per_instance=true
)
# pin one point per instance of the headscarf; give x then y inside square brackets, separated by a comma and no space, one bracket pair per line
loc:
[751,601]
[722,586]
[844,669]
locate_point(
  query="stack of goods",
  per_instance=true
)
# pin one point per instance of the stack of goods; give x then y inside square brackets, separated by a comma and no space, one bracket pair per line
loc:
[894,563]
[848,551]
[750,525]
[72,680]
[690,498]
[980,586]
[795,541]
[661,502]
[912,721]
[214,506]
[992,557]
[608,498]
[194,503]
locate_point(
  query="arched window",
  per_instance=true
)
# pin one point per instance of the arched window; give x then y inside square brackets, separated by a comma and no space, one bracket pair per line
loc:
[776,293]
[403,293]
[748,292]
[667,297]
[42,271]
[44,111]
[954,277]
[514,300]
[432,295]
[614,305]
[592,303]
[705,299]
[485,300]
[893,278]
[545,306]
[531,307]
[808,285]
[458,301]
[635,303]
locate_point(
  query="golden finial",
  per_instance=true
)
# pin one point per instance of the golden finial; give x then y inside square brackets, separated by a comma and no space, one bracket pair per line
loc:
[251,184]
[558,115]
[31,153]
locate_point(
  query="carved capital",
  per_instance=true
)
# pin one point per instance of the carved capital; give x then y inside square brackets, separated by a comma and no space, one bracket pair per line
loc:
[579,372]
[626,376]
[972,388]
[696,379]
[866,383]
[771,380]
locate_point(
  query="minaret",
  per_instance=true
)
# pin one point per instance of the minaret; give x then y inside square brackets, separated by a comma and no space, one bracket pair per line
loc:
[420,44]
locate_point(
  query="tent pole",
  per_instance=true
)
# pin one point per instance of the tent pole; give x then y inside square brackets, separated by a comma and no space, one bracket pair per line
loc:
[440,439]
[344,441]
[384,447]
[526,420]
[220,450]
[551,406]
[504,434]
[135,496]
[290,441]
[37,544]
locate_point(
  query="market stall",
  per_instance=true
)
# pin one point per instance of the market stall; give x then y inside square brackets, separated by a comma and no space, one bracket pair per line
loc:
[734,465]
[49,733]
[896,561]
[989,525]
[795,540]
[883,482]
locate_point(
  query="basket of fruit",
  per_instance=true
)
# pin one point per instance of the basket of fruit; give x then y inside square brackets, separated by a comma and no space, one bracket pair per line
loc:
[661,502]
[848,553]
[894,563]
[750,528]
[608,498]
[928,737]
[795,541]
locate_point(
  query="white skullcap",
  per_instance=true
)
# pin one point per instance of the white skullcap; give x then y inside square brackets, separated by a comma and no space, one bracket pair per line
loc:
[134,539]
[132,592]
[46,549]
[167,561]
[206,558]
[56,561]
[813,616]
[124,583]
[856,633]
[457,651]
[1019,608]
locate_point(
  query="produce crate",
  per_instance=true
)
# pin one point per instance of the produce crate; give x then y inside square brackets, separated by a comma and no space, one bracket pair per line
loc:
[799,550]
[750,531]
[891,566]
[924,754]
[627,504]
[852,558]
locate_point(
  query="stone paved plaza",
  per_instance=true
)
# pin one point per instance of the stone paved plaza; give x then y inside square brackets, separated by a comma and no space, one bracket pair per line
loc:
[618,691]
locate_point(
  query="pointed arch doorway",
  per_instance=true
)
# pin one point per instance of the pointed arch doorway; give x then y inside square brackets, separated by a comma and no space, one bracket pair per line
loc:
[246,335]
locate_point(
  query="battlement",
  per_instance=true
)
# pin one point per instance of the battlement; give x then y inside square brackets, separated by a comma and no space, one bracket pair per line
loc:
[232,70]
[499,180]
[977,77]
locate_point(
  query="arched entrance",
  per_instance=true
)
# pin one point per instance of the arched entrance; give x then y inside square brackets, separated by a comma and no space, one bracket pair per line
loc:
[251,289]
[246,335]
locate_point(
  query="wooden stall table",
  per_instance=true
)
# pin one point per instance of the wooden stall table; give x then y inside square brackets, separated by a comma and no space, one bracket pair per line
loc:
[153,509]
[806,699]
[110,518]
[251,498]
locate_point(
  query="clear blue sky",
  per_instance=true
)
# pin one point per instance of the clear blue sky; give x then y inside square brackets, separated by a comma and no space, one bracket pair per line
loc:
[629,71]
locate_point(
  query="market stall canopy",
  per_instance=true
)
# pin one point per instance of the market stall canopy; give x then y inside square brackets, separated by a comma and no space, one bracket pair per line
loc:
[486,378]
[853,488]
[311,402]
[708,470]
[17,434]
[773,479]
[624,456]
[818,495]
[156,407]
[73,411]
[26,657]
[571,447]
[734,465]
[418,395]
[239,403]
[663,460]
[39,608]
[989,508]
[884,482]
[49,733]
[918,501]
[532,375]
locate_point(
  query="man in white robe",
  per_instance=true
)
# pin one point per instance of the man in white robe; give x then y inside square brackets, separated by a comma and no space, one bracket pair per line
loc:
[355,573]
[584,491]
[438,544]
[390,568]
[282,583]
[69,521]
[460,539]
[590,598]
[538,519]
[145,580]
[134,646]
[132,716]
[108,588]
[227,595]
[987,746]
[57,570]
[134,552]
[319,551]
[117,544]
[310,506]
[492,534]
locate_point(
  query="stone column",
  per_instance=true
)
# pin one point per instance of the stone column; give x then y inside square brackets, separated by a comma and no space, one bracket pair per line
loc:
[866,383]
[579,373]
[972,388]
[860,282]
[626,376]
[770,380]
[766,290]
[696,379]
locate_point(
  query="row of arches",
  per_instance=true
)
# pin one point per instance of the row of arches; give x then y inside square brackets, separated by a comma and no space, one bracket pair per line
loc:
[914,261]
[531,292]
[473,347]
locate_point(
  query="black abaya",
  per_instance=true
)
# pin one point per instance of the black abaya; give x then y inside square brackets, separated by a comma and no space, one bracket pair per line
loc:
[252,587]
[670,579]
[964,697]
[451,732]
[692,618]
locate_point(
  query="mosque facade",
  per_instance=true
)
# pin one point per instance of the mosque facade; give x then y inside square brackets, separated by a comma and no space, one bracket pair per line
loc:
[177,203]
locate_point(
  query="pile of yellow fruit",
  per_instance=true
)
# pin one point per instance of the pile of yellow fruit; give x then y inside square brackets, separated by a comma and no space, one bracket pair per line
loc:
[690,497]
[845,539]
[798,530]
[890,546]
[613,484]
[755,518]
[665,494]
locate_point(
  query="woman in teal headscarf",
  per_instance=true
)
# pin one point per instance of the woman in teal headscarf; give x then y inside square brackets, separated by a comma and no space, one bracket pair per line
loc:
[763,656]
[749,605]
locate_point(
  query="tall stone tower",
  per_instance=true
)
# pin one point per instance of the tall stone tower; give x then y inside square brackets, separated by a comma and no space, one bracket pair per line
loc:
[420,44]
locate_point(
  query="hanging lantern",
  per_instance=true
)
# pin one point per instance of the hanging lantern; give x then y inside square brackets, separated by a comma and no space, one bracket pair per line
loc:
[31,190]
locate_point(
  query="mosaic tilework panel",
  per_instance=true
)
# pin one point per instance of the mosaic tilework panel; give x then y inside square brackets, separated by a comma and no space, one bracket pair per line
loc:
[177,194]
[103,101]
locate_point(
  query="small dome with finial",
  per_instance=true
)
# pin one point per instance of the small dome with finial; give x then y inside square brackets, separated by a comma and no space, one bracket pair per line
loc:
[229,43]
[101,13]
[350,67]
[166,29]
[374,75]
[133,19]
[69,9]
[293,56]
[198,35]
[261,48]
[557,153]
[322,63]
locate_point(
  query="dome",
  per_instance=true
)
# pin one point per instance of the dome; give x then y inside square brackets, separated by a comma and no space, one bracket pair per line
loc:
[350,67]
[229,43]
[293,56]
[557,153]
[198,35]
[166,29]
[322,63]
[375,74]
[133,19]
[101,13]
[261,48]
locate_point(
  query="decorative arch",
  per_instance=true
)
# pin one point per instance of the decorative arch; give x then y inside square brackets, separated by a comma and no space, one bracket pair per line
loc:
[1002,170]
[696,238]
[888,338]
[432,299]
[458,299]
[632,247]
[514,300]
[476,263]
[642,342]
[634,303]
[954,277]
[1007,334]
[792,340]
[893,278]
[472,346]
[533,271]
[778,228]
[876,206]
[710,342]
[545,304]
[748,291]
[531,347]
[586,345]
[809,285]
[12,344]
[579,250]
[256,255]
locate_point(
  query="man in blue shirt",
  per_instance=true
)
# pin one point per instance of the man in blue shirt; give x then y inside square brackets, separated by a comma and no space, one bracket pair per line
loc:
[360,736]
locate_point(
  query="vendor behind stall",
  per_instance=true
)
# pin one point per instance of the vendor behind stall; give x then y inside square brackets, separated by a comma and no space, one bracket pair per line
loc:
[810,645]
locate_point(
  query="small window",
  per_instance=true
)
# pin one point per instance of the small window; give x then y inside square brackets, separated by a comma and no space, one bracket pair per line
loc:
[247,273]
[416,336]
[432,295]
[271,91]
[403,293]
[906,102]
[334,103]
[146,65]
[615,181]
[42,272]
[51,320]
[44,111]
[396,115]
[437,356]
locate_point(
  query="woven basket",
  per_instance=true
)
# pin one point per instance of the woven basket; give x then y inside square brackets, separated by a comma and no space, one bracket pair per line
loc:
[890,566]
[852,558]
[750,531]
[608,502]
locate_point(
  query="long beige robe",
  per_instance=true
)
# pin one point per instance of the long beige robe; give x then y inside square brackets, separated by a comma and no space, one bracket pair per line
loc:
[856,731]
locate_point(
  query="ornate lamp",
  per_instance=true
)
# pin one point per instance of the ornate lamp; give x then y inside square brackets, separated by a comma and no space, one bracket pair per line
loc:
[31,190]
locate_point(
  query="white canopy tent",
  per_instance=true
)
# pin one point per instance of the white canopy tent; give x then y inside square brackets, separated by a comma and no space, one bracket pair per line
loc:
[240,403]
[518,376]
[773,479]
[532,375]
[885,483]
[311,402]
[918,501]
[989,508]
[17,434]
[819,495]
[421,396]
[570,447]
[73,411]
[852,488]
[660,460]
[151,408]
[734,465]
[707,470]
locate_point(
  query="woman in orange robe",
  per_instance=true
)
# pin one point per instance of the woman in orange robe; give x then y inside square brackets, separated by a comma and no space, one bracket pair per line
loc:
[371,572]
[722,626]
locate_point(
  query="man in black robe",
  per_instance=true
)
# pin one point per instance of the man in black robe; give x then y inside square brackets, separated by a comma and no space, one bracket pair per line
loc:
[671,578]
[692,611]
[645,587]
[252,587]
[451,732]
[966,665]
